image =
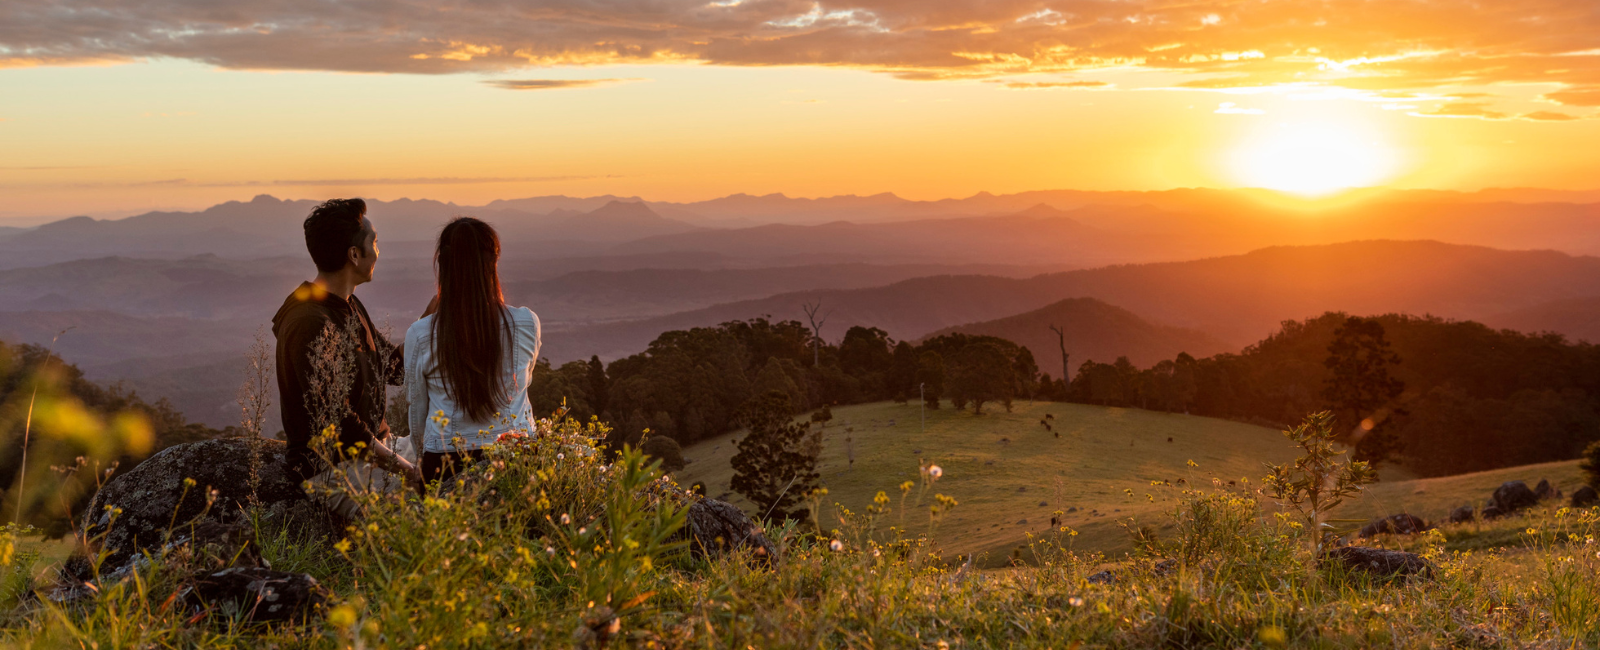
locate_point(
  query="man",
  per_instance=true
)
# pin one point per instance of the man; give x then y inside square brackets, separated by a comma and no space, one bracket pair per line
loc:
[344,247]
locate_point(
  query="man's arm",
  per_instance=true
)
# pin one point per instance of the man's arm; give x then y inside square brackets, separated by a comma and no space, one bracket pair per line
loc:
[385,459]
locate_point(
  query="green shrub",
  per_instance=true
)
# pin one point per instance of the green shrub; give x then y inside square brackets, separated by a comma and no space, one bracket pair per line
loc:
[665,450]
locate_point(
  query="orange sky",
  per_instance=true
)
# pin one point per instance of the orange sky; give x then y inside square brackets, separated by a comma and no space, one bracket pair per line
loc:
[113,108]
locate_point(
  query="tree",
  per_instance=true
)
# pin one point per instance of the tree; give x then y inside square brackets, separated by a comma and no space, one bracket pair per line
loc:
[982,373]
[773,378]
[903,370]
[1025,373]
[1061,339]
[865,350]
[772,467]
[1360,384]
[1317,481]
[1591,464]
[598,393]
[822,417]
[930,376]
[816,330]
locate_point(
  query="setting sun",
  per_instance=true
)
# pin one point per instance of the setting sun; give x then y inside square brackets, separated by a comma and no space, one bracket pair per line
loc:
[1313,158]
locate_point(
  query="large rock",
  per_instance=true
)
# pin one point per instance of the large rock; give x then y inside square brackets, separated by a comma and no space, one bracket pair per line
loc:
[1401,524]
[1544,490]
[1512,496]
[255,594]
[1461,515]
[715,527]
[1584,497]
[156,507]
[1377,562]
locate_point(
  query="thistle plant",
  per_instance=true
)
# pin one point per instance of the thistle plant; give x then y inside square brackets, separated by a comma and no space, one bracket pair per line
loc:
[1318,481]
[254,398]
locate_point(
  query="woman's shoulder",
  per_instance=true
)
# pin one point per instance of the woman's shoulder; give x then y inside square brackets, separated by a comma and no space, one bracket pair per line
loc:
[523,315]
[420,329]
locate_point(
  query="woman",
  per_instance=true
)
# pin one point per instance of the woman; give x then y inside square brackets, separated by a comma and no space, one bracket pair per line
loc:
[468,361]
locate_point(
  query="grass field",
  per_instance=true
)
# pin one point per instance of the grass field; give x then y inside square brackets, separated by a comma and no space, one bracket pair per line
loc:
[1010,475]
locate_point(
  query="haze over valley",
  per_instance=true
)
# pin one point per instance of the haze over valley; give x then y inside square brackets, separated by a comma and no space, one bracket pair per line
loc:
[168,301]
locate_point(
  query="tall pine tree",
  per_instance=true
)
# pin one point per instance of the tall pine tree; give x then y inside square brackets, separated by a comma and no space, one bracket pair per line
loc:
[775,467]
[1360,385]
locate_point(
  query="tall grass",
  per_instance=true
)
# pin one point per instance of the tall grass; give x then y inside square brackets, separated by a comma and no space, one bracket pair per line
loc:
[547,544]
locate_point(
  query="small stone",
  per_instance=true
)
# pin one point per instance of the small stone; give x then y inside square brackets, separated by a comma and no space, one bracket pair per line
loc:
[1043,504]
[1401,524]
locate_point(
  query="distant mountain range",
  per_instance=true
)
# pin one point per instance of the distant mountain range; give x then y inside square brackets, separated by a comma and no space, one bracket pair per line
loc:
[1093,330]
[1576,318]
[1055,227]
[1237,299]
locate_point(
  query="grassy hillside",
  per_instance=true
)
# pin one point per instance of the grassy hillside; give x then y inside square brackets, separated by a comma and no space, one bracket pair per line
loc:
[1010,475]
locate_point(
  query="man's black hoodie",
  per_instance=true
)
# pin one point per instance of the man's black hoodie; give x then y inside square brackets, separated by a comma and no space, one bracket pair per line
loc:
[297,325]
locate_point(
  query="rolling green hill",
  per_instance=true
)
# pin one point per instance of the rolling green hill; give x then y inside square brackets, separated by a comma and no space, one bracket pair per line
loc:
[1010,474]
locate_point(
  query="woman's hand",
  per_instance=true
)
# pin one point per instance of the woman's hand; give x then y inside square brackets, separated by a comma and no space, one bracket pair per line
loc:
[433,307]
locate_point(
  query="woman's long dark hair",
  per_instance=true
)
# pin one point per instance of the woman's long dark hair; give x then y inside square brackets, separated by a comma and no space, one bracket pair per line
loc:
[470,329]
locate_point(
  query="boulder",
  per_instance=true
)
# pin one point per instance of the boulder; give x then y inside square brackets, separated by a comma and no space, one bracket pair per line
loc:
[1584,497]
[156,506]
[714,527]
[1376,562]
[1492,512]
[1401,524]
[1512,496]
[255,594]
[1461,515]
[1546,491]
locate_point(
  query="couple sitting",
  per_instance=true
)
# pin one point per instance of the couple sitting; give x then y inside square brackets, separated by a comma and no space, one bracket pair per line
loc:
[465,363]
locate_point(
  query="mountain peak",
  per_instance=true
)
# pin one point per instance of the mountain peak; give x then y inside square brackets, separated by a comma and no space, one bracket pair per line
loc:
[629,209]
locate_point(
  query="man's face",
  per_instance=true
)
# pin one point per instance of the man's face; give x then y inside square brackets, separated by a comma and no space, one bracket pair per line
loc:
[365,257]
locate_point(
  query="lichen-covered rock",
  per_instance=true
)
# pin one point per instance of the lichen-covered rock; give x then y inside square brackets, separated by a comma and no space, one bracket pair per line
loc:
[153,496]
[1401,524]
[715,527]
[255,594]
[1377,562]
[1461,515]
[1584,497]
[1512,496]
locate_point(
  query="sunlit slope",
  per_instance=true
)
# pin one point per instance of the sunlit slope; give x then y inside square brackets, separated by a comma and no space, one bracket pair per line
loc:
[1434,498]
[1010,474]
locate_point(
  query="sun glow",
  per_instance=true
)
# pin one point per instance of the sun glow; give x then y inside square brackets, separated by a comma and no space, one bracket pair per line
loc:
[1313,159]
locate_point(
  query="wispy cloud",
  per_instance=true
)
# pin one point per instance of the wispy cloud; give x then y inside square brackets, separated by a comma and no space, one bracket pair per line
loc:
[1481,110]
[319,182]
[1051,85]
[552,84]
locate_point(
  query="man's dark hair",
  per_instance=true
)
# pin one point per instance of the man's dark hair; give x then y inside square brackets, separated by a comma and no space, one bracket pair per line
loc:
[333,227]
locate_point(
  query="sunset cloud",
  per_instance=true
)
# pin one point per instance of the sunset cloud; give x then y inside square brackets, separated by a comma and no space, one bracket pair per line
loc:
[1481,111]
[551,84]
[1394,45]
[1050,85]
